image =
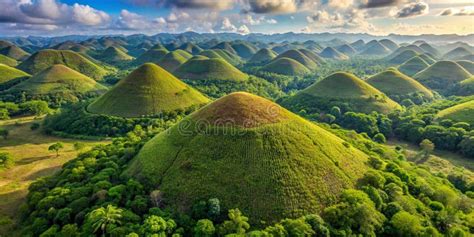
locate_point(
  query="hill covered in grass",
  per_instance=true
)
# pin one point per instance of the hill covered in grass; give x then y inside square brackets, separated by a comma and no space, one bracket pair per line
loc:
[286,66]
[332,53]
[223,54]
[277,164]
[113,55]
[376,49]
[47,58]
[152,55]
[172,60]
[14,52]
[300,57]
[147,91]
[442,75]
[427,48]
[463,112]
[456,53]
[413,66]
[468,65]
[401,57]
[346,49]
[190,48]
[203,68]
[10,76]
[244,49]
[8,61]
[429,58]
[58,81]
[262,56]
[398,86]
[344,90]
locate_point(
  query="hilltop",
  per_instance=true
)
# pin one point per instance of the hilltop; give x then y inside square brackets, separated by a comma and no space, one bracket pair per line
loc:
[172,60]
[113,55]
[313,56]
[344,90]
[456,53]
[47,58]
[244,49]
[10,76]
[427,48]
[376,49]
[459,113]
[225,46]
[331,53]
[429,58]
[58,81]
[152,55]
[300,57]
[346,49]
[402,57]
[147,91]
[393,83]
[203,68]
[468,65]
[14,52]
[278,164]
[442,75]
[190,48]
[413,66]
[389,44]
[223,54]
[286,66]
[263,56]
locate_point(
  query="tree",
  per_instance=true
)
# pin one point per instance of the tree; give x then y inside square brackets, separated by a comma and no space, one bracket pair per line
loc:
[204,228]
[156,197]
[406,224]
[380,138]
[79,146]
[102,217]
[6,160]
[426,148]
[237,223]
[4,133]
[56,147]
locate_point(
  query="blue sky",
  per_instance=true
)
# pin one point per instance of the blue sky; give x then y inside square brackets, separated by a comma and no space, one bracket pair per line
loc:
[378,17]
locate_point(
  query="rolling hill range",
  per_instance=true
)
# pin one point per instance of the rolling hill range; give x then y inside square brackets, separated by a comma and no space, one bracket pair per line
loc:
[276,164]
[286,66]
[47,58]
[442,75]
[262,56]
[460,113]
[14,52]
[147,91]
[8,61]
[393,83]
[332,53]
[344,90]
[172,60]
[10,76]
[203,68]
[300,57]
[113,55]
[413,66]
[58,80]
[223,54]
[468,65]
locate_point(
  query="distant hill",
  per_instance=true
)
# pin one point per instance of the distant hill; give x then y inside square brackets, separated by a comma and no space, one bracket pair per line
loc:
[10,76]
[331,53]
[191,48]
[8,61]
[223,54]
[398,86]
[113,55]
[262,56]
[58,81]
[389,44]
[427,48]
[442,75]
[468,65]
[147,91]
[413,66]
[346,49]
[300,57]
[459,113]
[286,66]
[430,59]
[345,90]
[14,52]
[172,60]
[203,68]
[402,57]
[376,49]
[358,45]
[456,53]
[244,49]
[47,58]
[278,164]
[153,55]
[313,56]
[412,47]
[225,46]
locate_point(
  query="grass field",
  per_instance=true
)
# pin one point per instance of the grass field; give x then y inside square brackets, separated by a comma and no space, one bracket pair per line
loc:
[203,68]
[442,74]
[460,113]
[263,56]
[413,66]
[286,66]
[32,160]
[392,82]
[8,73]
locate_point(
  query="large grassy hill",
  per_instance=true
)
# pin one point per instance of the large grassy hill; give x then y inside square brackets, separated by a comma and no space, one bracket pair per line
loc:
[468,65]
[286,66]
[47,58]
[313,56]
[429,58]
[223,54]
[244,49]
[60,81]
[427,48]
[389,44]
[456,53]
[114,55]
[344,90]
[460,113]
[376,49]
[147,91]
[8,61]
[413,66]
[14,52]
[203,68]
[190,48]
[10,76]
[332,53]
[263,56]
[346,49]
[172,60]
[402,57]
[253,155]
[442,75]
[152,55]
[394,83]
[225,46]
[300,57]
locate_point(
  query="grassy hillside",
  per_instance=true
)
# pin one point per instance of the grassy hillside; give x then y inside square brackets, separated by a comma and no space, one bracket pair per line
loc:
[376,49]
[58,80]
[389,44]
[429,58]
[456,53]
[468,65]
[331,53]
[460,113]
[465,87]
[427,48]
[225,46]
[172,60]
[47,58]
[442,74]
[153,55]
[244,49]
[10,76]
[346,49]
[223,54]
[344,90]
[147,91]
[191,48]
[272,165]
[402,57]
[392,82]
[413,66]
[14,52]
[263,56]
[313,56]
[300,57]
[113,55]
[8,61]
[286,66]
[203,68]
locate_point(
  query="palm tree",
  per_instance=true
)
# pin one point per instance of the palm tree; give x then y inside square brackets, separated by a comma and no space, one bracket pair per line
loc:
[102,217]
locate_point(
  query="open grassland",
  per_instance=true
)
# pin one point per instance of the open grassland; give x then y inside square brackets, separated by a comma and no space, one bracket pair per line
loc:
[460,113]
[32,161]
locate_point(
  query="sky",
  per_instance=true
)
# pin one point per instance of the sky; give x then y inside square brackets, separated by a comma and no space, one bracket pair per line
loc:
[101,17]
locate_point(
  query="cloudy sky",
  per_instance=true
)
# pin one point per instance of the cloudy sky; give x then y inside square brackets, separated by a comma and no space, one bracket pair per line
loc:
[378,17]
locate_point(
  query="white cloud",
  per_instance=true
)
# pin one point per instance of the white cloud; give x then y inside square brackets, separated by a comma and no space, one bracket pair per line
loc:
[412,10]
[227,25]
[466,11]
[243,29]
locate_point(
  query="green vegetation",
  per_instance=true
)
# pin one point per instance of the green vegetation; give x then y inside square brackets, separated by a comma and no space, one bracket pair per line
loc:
[376,49]
[114,56]
[401,57]
[263,56]
[153,55]
[313,56]
[147,91]
[299,57]
[191,48]
[10,76]
[332,53]
[14,52]
[413,66]
[46,58]
[226,46]
[427,48]
[203,68]
[57,84]
[223,54]
[172,60]
[464,88]
[468,65]
[389,44]
[430,59]
[286,66]
[346,49]
[244,49]
[460,113]
[8,61]
[442,75]
[400,87]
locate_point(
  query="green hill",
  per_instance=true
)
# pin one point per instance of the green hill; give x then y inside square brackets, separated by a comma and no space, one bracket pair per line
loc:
[346,49]
[313,56]
[191,48]
[61,81]
[465,87]
[8,61]
[393,83]
[262,56]
[152,55]
[344,90]
[442,75]
[244,49]
[113,55]
[14,52]
[147,91]
[428,58]
[10,76]
[300,57]
[223,54]
[225,46]
[468,65]
[203,68]
[469,57]
[460,113]
[286,66]
[271,164]
[456,53]
[47,58]
[376,49]
[332,53]
[412,47]
[402,57]
[172,60]
[427,48]
[389,44]
[358,45]
[413,66]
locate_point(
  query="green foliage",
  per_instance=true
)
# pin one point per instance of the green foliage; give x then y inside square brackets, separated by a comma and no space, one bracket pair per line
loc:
[6,160]
[237,223]
[56,147]
[204,228]
[102,218]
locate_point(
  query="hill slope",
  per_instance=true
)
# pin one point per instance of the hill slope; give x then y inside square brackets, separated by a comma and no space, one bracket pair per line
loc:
[331,53]
[402,57]
[172,60]
[286,66]
[460,113]
[47,58]
[442,74]
[152,55]
[300,57]
[8,61]
[10,76]
[223,54]
[376,49]
[114,55]
[149,90]
[413,66]
[274,165]
[203,68]
[468,65]
[14,52]
[456,53]
[262,56]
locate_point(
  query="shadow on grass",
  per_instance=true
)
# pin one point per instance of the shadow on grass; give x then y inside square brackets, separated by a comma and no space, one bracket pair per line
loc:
[44,172]
[26,161]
